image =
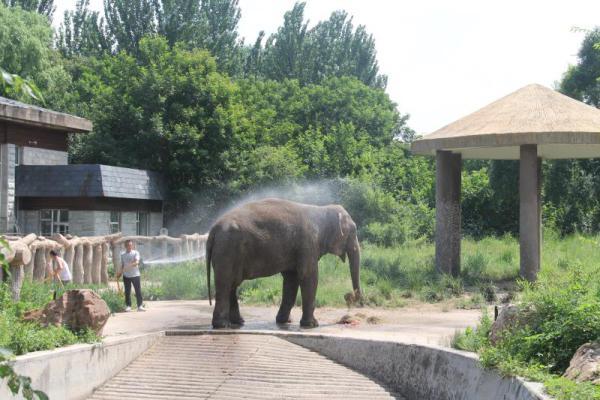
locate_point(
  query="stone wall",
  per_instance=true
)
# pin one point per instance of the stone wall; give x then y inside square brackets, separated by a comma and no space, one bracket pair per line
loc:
[37,156]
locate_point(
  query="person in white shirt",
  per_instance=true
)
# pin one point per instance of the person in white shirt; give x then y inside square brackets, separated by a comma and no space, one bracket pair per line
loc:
[130,269]
[59,267]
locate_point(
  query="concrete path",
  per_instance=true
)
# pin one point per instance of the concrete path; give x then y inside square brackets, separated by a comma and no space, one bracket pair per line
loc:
[236,367]
[422,324]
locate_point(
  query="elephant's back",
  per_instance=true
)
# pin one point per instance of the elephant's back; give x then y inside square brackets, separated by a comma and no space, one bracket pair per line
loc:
[265,222]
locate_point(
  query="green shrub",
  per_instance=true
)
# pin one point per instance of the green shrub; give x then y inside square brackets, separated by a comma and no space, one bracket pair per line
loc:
[565,304]
[473,339]
[114,300]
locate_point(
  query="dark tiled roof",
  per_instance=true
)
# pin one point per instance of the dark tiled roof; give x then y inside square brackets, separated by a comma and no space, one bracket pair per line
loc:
[12,110]
[88,180]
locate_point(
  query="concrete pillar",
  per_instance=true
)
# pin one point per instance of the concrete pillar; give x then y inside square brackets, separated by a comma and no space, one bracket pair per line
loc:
[530,215]
[447,212]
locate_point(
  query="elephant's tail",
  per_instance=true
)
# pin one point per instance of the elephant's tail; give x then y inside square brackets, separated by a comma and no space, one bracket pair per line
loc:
[209,244]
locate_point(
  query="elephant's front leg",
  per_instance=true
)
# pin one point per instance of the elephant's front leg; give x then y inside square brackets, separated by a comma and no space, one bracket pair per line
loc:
[308,287]
[288,298]
[234,308]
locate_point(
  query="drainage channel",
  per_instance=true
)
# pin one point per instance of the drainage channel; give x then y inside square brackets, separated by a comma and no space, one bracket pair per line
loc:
[236,367]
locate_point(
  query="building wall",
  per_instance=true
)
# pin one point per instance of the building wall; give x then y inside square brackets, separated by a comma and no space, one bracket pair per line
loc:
[156,223]
[29,221]
[29,156]
[37,156]
[128,225]
[7,187]
[90,223]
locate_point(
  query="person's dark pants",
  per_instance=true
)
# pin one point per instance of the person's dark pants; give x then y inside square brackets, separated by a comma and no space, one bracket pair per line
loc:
[127,282]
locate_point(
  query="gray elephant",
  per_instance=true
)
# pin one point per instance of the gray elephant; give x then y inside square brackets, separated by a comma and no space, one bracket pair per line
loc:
[272,236]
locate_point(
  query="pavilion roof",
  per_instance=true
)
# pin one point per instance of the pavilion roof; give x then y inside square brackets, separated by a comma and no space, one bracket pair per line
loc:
[562,127]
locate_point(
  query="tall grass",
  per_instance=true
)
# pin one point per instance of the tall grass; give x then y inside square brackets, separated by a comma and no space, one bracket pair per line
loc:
[390,276]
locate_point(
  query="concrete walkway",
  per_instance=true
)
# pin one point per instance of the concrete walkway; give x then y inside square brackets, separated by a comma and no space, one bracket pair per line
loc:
[422,324]
[236,367]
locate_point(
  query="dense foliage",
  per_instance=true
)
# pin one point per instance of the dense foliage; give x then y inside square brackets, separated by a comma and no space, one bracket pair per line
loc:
[170,86]
[563,313]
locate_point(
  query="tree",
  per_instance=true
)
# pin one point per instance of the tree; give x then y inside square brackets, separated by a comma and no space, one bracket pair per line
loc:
[331,48]
[168,109]
[128,21]
[83,32]
[13,86]
[285,49]
[26,51]
[44,7]
[582,81]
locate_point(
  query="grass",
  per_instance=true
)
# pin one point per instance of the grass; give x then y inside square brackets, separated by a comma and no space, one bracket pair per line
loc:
[22,337]
[390,277]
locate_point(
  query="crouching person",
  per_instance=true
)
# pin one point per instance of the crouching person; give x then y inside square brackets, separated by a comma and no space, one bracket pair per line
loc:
[130,269]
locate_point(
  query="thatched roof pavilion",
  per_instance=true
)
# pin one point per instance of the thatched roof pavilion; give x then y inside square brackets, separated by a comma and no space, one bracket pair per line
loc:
[532,123]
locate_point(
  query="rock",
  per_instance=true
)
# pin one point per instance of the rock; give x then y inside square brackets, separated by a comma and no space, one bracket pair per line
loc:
[585,364]
[348,320]
[78,309]
[511,317]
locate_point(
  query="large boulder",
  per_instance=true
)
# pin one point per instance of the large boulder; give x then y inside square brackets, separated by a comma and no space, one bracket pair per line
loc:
[510,318]
[78,309]
[585,364]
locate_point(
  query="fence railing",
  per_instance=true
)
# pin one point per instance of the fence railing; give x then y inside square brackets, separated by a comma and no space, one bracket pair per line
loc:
[88,257]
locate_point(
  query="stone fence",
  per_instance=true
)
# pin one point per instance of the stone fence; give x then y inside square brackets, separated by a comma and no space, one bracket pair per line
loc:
[88,257]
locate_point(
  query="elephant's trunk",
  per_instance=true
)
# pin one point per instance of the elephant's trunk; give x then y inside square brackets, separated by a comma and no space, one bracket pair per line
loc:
[353,252]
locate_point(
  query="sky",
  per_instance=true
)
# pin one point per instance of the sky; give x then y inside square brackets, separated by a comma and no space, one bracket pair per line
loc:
[445,59]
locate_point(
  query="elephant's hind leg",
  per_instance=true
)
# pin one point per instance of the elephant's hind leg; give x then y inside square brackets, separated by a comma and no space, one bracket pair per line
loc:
[234,308]
[288,298]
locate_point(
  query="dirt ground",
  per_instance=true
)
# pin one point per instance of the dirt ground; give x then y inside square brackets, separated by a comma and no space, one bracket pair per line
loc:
[418,324]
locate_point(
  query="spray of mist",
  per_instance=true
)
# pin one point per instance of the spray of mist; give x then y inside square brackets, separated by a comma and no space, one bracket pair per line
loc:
[320,192]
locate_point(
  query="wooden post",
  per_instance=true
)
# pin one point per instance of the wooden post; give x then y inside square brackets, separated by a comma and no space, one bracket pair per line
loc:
[69,255]
[530,221]
[96,263]
[88,260]
[447,212]
[39,269]
[104,264]
[47,250]
[78,271]
[28,271]
[16,279]
[116,257]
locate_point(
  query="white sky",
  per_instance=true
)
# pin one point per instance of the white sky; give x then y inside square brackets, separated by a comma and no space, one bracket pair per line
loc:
[445,59]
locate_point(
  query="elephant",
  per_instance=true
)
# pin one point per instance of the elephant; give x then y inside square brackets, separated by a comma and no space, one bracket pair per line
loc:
[270,236]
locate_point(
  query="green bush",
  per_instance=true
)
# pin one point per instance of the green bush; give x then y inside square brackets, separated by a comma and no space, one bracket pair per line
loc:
[565,304]
[22,337]
[114,300]
[473,339]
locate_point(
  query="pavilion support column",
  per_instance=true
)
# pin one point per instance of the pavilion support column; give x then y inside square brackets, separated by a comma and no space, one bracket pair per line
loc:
[530,216]
[447,212]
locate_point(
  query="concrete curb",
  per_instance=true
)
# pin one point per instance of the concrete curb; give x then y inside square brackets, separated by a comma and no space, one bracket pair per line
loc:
[74,372]
[415,371]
